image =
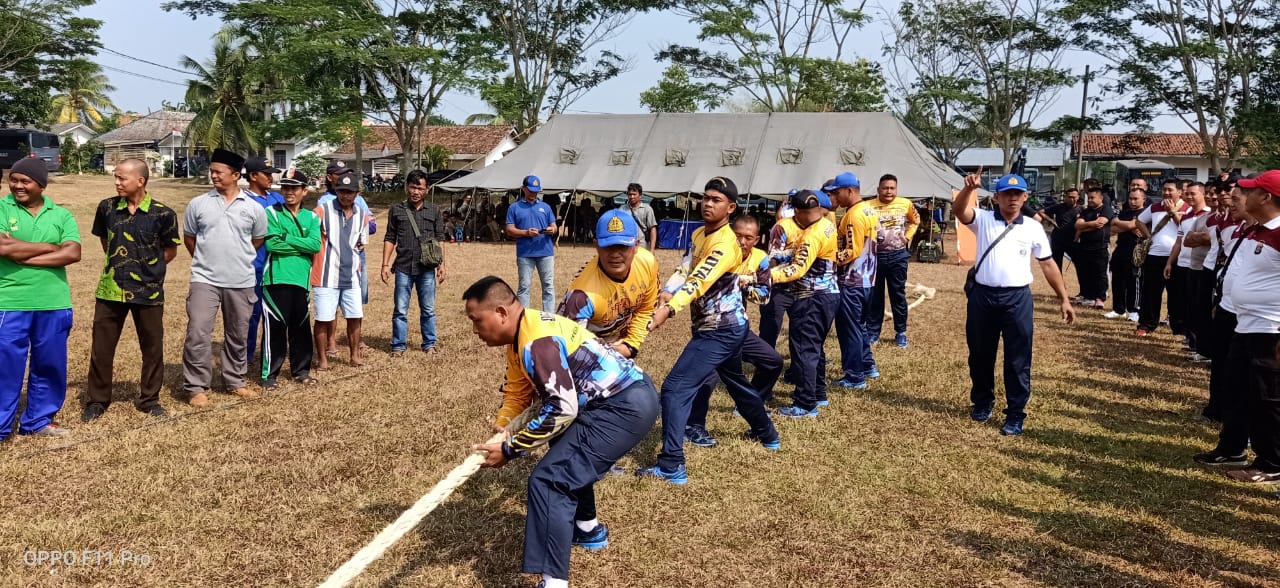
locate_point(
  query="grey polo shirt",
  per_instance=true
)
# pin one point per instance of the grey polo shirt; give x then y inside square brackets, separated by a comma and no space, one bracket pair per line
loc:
[644,218]
[224,238]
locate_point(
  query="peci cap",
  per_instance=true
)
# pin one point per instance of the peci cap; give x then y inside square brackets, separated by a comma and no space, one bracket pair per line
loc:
[259,164]
[617,227]
[532,184]
[348,182]
[227,158]
[844,180]
[1267,180]
[294,177]
[1011,182]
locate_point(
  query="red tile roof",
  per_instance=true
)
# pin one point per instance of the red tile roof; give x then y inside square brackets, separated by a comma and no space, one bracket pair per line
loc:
[461,139]
[1135,144]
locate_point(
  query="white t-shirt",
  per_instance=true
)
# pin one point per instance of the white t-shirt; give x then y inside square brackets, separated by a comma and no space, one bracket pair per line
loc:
[1257,280]
[1162,242]
[1229,236]
[1193,257]
[1009,264]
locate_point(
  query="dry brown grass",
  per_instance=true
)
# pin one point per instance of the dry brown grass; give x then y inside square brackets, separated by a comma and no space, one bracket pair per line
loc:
[892,486]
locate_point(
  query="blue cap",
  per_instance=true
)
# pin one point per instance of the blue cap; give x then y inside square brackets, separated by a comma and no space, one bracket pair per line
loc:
[532,184]
[1011,182]
[617,227]
[844,180]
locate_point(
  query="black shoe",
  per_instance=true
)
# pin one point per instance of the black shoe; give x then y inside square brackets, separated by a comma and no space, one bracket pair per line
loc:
[1217,458]
[270,385]
[92,412]
[155,410]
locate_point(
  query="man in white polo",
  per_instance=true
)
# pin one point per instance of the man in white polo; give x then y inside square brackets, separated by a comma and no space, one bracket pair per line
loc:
[1000,303]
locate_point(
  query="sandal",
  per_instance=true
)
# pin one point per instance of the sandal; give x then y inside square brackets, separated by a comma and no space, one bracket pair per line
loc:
[1253,476]
[332,353]
[307,381]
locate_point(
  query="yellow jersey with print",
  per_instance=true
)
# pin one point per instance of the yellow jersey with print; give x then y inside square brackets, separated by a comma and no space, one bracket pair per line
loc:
[754,262]
[566,367]
[856,261]
[898,223]
[710,288]
[615,311]
[812,270]
[782,239]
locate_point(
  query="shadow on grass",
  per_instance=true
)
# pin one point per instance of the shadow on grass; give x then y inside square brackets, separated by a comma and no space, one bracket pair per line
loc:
[1044,562]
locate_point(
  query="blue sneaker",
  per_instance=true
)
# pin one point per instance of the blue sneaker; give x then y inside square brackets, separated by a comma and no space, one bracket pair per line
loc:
[872,373]
[699,436]
[593,540]
[901,340]
[1011,427]
[679,477]
[795,412]
[774,445]
[859,384]
[824,402]
[980,413]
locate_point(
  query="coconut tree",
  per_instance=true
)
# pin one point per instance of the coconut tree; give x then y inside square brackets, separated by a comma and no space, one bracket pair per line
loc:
[222,95]
[83,97]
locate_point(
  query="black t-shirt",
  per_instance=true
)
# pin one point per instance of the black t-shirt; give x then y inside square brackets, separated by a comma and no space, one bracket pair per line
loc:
[1064,218]
[1127,239]
[1100,237]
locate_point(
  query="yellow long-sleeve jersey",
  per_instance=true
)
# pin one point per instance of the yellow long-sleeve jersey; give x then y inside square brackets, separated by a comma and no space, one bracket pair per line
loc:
[615,311]
[898,223]
[856,261]
[566,366]
[812,270]
[709,287]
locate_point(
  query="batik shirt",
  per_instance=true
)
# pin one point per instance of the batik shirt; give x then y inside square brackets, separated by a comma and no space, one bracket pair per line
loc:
[898,223]
[856,261]
[706,282]
[812,270]
[135,266]
[615,311]
[567,367]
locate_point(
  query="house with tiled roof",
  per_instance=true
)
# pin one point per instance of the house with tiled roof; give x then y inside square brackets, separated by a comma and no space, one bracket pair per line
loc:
[472,147]
[1183,151]
[162,136]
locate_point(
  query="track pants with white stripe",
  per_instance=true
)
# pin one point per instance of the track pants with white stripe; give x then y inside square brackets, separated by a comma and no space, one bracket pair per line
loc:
[287,332]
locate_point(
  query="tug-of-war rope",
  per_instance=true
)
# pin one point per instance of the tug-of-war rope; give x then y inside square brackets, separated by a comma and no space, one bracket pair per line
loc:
[921,291]
[420,509]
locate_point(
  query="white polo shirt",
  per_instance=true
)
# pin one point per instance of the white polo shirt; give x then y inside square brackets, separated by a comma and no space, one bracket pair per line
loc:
[1009,264]
[1217,224]
[1257,279]
[1162,242]
[1229,237]
[1193,257]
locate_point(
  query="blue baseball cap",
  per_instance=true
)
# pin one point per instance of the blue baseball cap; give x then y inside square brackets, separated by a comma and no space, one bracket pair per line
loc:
[532,184]
[617,227]
[844,180]
[1011,182]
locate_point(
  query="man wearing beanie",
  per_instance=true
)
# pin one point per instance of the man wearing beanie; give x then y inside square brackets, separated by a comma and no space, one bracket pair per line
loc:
[38,239]
[222,231]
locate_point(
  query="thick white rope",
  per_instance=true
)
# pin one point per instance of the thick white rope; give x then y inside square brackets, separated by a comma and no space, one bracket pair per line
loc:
[923,292]
[420,509]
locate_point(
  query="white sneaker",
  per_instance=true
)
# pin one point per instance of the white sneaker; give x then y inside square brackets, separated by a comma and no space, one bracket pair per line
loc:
[1133,316]
[1196,357]
[1112,314]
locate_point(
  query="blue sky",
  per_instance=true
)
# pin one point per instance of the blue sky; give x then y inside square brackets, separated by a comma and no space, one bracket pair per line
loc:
[139,28]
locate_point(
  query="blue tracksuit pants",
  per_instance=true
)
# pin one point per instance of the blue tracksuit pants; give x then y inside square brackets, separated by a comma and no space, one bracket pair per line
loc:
[36,340]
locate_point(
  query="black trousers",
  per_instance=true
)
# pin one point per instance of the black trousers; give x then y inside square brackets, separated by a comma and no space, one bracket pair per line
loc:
[1124,281]
[1091,270]
[1177,291]
[1153,287]
[288,331]
[996,313]
[108,322]
[1252,403]
[1198,308]
[1222,330]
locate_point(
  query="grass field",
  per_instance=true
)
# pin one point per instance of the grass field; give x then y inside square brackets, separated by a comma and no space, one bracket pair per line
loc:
[892,486]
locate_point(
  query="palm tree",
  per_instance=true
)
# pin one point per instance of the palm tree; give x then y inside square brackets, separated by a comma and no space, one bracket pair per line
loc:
[225,102]
[84,95]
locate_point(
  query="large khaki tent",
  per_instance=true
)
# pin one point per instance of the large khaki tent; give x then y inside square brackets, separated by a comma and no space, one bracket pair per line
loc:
[765,154]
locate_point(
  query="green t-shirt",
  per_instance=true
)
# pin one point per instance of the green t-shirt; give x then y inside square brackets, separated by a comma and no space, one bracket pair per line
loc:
[24,287]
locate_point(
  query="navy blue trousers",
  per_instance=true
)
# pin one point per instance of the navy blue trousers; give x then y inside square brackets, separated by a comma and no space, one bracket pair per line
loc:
[36,340]
[771,315]
[811,320]
[855,347]
[562,485]
[755,351]
[718,351]
[891,273]
[995,313]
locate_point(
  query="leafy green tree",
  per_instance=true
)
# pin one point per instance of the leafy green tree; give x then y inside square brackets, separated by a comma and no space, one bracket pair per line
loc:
[311,164]
[435,158]
[39,46]
[82,96]
[830,85]
[75,157]
[228,110]
[676,93]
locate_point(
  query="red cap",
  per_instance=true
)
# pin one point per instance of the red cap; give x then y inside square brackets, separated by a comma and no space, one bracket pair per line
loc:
[1268,180]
